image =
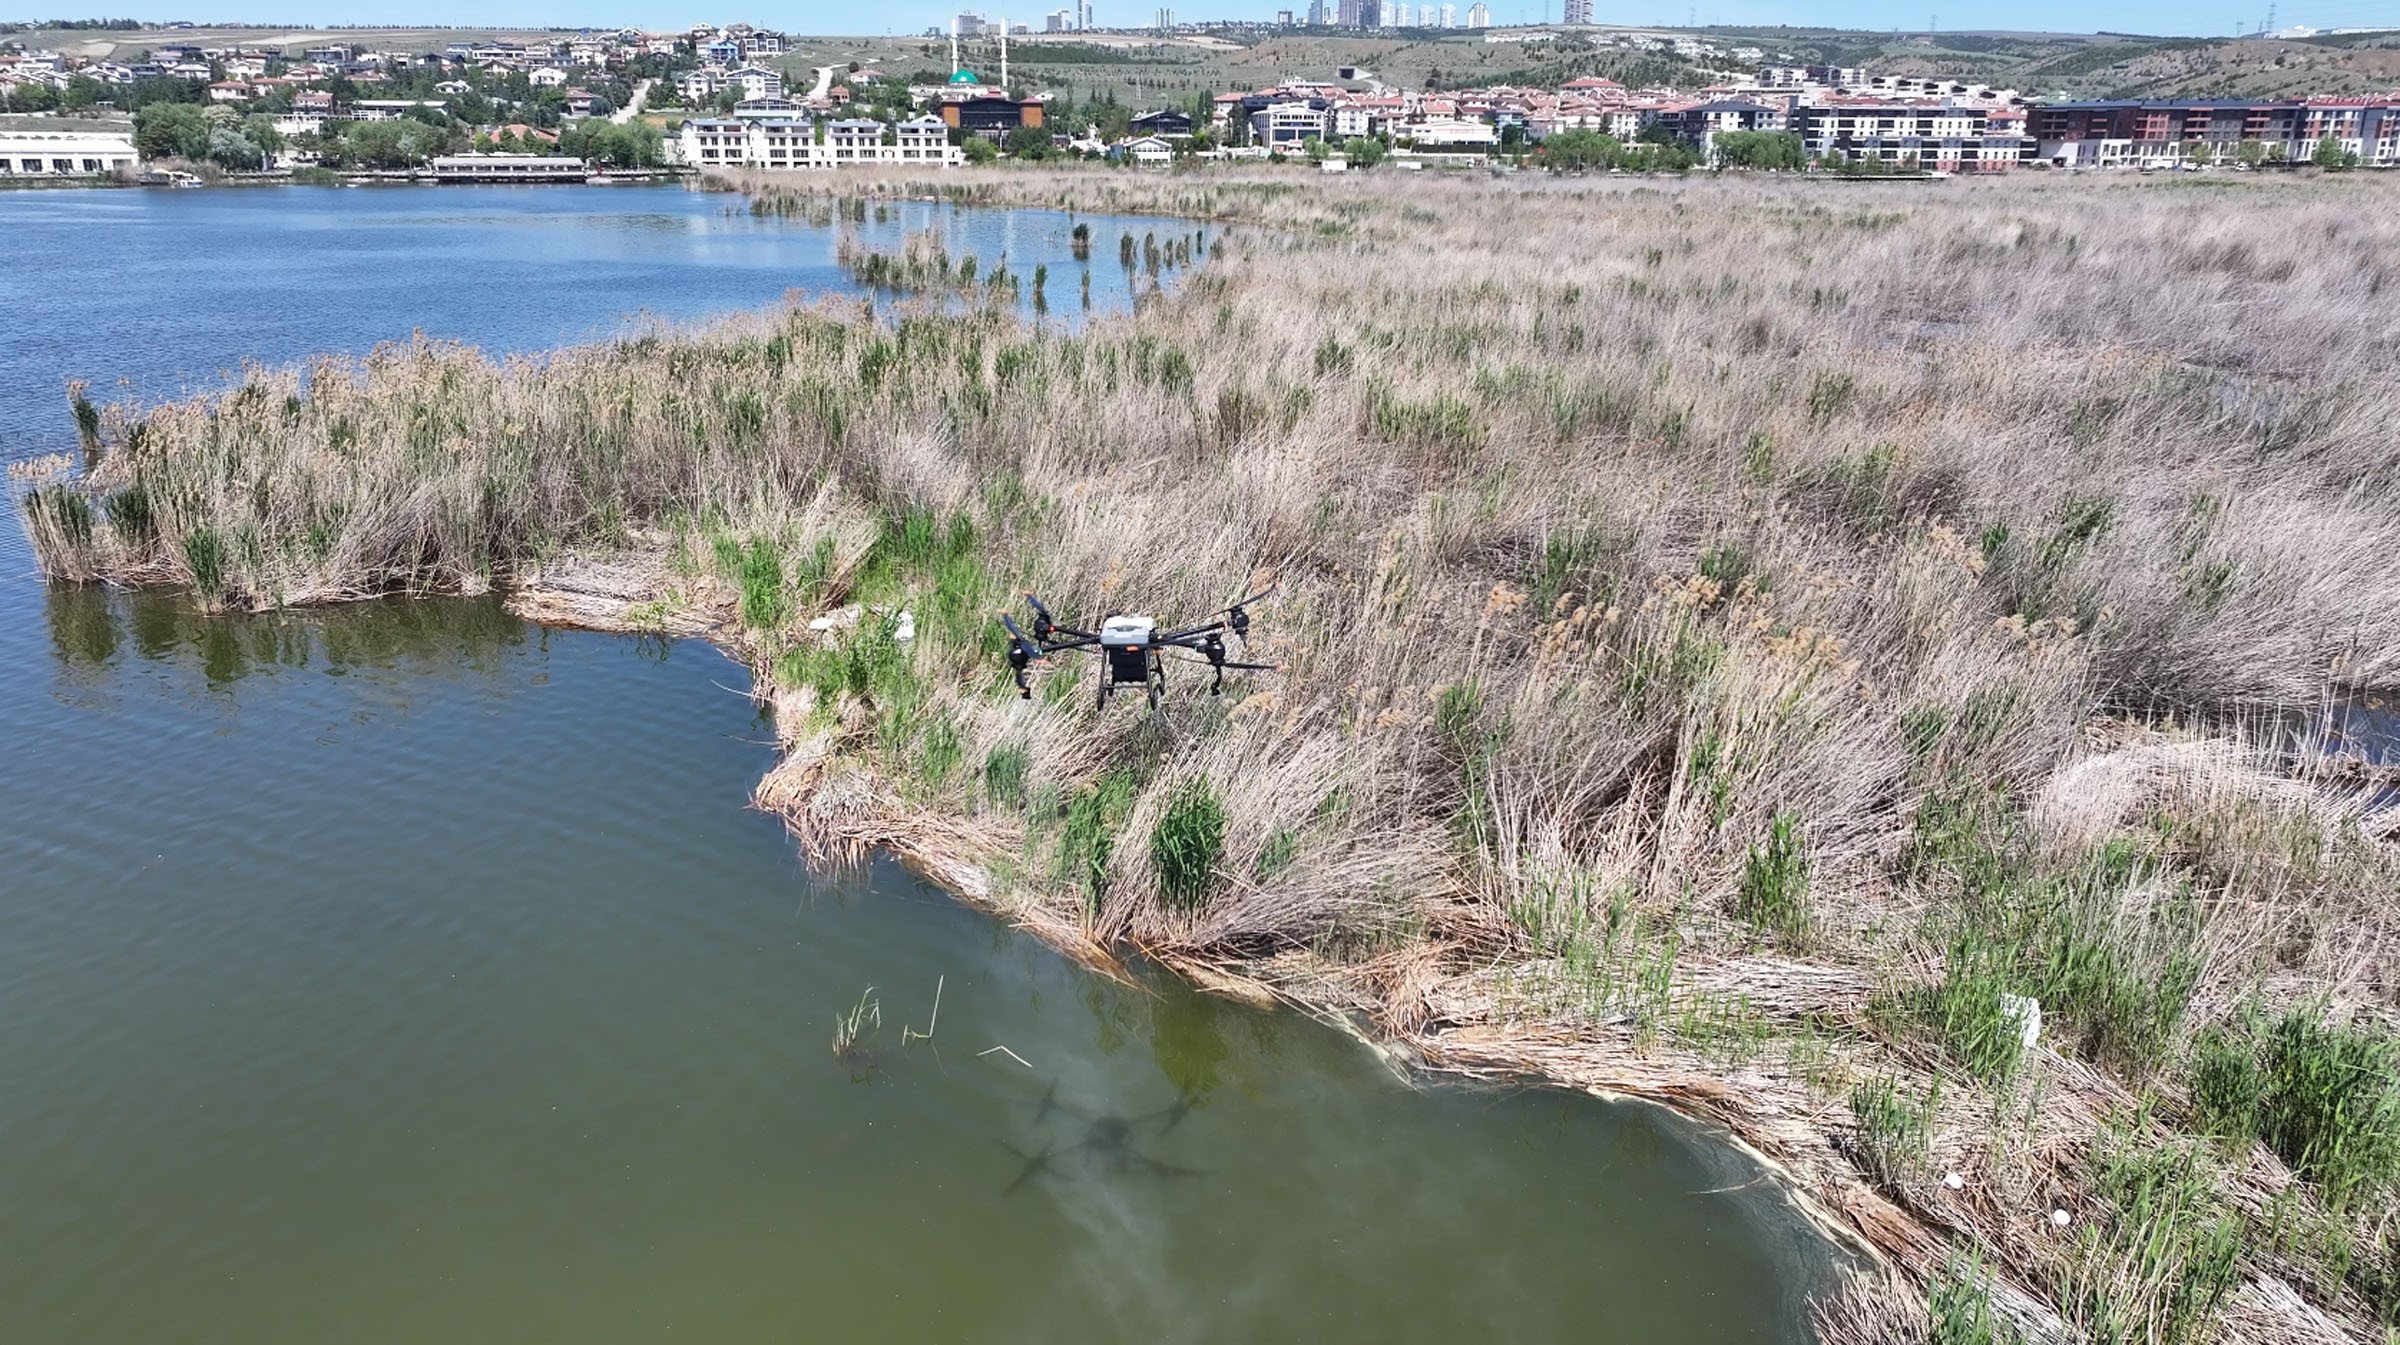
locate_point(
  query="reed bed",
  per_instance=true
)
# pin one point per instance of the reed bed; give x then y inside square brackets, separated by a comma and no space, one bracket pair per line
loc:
[1743,640]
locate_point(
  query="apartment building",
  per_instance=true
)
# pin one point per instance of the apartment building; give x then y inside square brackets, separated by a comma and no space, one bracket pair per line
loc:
[2132,133]
[738,143]
[1938,136]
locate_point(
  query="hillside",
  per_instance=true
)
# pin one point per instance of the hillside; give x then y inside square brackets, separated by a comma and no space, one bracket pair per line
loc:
[1142,69]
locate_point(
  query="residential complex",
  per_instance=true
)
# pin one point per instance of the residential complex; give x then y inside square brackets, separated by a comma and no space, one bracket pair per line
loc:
[524,95]
[743,142]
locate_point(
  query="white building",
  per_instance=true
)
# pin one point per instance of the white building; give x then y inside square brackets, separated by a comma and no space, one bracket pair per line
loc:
[1479,15]
[64,153]
[388,109]
[1281,124]
[768,109]
[1150,152]
[736,143]
[757,81]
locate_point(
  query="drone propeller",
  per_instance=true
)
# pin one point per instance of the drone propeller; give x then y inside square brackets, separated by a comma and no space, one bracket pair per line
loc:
[1042,624]
[1237,616]
[1021,653]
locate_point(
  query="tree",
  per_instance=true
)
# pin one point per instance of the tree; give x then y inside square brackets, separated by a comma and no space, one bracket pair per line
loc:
[1363,152]
[1314,149]
[1027,142]
[1580,151]
[29,98]
[2328,155]
[170,131]
[1759,150]
[260,131]
[636,144]
[384,144]
[980,150]
[228,148]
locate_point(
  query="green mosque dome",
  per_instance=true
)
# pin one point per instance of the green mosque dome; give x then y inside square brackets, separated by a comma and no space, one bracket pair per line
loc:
[965,77]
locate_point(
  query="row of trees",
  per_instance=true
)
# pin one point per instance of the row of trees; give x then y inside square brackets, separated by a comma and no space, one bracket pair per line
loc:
[230,140]
[1584,151]
[217,135]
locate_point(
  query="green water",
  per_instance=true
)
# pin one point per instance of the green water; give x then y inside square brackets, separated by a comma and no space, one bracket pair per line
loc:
[403,973]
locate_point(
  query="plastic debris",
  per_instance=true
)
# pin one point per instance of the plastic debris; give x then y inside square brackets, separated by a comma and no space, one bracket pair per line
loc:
[2026,1013]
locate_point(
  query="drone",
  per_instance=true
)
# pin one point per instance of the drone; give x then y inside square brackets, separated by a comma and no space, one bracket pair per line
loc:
[1131,647]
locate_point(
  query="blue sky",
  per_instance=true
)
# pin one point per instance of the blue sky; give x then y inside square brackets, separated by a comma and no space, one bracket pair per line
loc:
[2142,16]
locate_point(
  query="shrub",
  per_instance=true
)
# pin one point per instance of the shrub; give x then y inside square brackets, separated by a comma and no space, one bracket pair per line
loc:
[1773,894]
[204,554]
[1004,771]
[1958,1305]
[1971,1012]
[1186,844]
[764,604]
[1089,836]
[2155,1269]
[1894,1130]
[2226,1083]
[2331,1104]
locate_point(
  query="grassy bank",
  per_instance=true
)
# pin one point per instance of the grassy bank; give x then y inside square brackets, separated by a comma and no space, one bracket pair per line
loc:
[1743,640]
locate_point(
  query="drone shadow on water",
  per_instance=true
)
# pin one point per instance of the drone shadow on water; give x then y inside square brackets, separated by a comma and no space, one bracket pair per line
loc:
[1099,1141]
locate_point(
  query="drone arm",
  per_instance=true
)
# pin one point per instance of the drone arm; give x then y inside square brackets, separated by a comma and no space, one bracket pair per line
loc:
[1044,626]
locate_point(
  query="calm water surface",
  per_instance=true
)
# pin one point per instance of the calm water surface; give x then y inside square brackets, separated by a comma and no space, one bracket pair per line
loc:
[406,973]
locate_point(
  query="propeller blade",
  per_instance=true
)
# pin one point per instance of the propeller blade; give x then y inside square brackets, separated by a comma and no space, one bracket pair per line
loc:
[1031,650]
[1042,624]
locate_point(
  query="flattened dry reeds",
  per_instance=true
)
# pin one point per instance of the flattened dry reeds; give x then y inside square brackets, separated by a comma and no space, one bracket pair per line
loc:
[1737,645]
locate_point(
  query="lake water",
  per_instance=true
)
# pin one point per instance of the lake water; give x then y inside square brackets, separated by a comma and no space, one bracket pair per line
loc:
[403,972]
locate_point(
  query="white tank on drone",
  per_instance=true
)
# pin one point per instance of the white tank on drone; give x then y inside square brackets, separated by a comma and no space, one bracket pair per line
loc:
[1126,632]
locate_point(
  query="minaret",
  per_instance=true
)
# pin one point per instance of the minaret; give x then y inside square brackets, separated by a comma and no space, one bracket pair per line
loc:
[1003,53]
[954,44]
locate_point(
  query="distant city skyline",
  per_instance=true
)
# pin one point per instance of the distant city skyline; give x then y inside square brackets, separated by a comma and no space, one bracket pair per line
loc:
[2154,17]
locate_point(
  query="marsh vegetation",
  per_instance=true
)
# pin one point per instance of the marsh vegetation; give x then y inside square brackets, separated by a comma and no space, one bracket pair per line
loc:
[1743,642]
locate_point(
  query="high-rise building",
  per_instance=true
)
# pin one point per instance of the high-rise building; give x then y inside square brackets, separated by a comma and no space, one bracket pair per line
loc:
[1058,21]
[1316,13]
[1479,15]
[1346,13]
[1283,17]
[970,24]
[1397,15]
[1579,11]
[1083,15]
[1166,20]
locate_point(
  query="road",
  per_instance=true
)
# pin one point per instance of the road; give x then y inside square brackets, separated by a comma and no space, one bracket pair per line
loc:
[824,82]
[633,105]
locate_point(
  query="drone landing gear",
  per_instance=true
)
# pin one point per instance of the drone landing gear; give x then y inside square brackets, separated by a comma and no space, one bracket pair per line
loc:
[1154,681]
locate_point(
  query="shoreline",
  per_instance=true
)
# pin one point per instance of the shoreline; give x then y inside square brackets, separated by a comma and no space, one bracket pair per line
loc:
[615,598]
[1809,602]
